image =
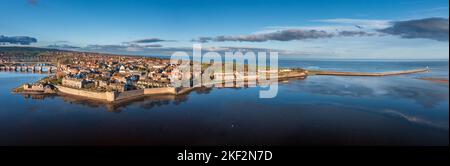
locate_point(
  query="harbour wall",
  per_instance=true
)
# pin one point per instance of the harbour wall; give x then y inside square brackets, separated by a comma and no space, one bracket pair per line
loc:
[339,73]
[108,96]
[116,96]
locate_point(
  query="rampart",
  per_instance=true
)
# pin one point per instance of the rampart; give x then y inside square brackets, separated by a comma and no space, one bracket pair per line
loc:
[116,96]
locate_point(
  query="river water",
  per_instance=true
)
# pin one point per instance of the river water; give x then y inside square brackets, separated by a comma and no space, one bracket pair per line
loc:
[319,110]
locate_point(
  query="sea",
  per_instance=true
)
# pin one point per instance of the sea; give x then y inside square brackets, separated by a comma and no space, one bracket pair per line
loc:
[319,110]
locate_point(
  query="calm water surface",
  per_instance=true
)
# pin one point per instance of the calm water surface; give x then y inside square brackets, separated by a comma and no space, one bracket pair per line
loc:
[320,110]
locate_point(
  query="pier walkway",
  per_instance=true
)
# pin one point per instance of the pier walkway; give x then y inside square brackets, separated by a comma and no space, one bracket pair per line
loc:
[339,73]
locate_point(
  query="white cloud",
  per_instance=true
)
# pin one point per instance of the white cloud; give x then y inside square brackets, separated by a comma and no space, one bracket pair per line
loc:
[271,29]
[364,23]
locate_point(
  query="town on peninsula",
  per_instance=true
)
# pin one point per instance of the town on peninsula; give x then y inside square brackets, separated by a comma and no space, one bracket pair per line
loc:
[111,78]
[105,77]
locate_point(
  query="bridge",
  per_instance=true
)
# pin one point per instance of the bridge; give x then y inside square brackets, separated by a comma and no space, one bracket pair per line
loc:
[40,67]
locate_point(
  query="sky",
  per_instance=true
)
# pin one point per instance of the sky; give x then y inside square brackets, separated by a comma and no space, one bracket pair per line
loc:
[353,29]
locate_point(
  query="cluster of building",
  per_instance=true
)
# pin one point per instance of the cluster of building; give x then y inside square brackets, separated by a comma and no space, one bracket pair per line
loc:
[114,73]
[41,88]
[108,72]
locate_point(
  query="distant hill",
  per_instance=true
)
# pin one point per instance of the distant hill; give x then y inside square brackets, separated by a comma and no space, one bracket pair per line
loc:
[33,51]
[20,52]
[24,49]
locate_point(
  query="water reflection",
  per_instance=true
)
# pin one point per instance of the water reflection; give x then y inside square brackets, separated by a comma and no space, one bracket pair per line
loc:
[145,102]
[419,120]
[423,93]
[38,96]
[423,96]
[320,110]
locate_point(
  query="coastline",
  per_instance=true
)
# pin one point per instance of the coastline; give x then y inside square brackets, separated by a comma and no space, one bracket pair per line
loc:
[116,97]
[315,93]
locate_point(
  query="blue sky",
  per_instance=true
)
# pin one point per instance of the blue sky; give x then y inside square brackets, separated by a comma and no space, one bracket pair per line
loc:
[83,23]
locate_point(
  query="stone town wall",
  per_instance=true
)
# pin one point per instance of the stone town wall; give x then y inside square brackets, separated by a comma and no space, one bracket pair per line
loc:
[114,96]
[184,90]
[130,94]
[141,92]
[83,93]
[166,90]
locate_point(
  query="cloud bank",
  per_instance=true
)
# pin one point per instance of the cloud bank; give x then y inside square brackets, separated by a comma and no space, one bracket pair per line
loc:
[153,45]
[359,23]
[285,35]
[167,51]
[22,40]
[150,40]
[428,28]
[62,46]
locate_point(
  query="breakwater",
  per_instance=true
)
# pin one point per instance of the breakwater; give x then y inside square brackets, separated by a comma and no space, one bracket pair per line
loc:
[338,73]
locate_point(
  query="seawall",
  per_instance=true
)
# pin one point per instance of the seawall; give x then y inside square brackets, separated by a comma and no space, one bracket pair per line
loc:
[338,73]
[108,96]
[117,96]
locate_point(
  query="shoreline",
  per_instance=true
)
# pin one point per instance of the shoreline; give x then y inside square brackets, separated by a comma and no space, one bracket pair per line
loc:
[118,97]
